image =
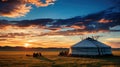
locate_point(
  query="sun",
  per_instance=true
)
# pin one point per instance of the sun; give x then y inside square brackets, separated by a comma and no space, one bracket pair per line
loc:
[26,45]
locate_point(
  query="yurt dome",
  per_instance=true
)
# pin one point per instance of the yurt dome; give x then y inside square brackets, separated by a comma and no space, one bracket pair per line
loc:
[88,47]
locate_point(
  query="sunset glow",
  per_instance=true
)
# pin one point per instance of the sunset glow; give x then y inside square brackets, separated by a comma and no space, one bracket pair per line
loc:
[26,45]
[58,23]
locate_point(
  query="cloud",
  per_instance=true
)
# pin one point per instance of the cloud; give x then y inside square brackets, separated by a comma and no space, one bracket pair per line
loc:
[12,35]
[78,27]
[104,21]
[18,8]
[41,27]
[113,44]
[113,39]
[2,39]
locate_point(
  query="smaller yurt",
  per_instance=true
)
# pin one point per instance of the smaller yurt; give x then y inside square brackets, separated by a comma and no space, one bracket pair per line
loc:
[90,47]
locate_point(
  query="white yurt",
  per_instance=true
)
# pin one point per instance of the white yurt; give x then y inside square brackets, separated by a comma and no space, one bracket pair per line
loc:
[90,47]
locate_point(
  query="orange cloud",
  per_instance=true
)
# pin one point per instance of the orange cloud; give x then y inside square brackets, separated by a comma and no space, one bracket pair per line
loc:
[39,3]
[18,8]
[104,21]
[114,44]
[78,27]
[113,39]
[43,41]
[19,11]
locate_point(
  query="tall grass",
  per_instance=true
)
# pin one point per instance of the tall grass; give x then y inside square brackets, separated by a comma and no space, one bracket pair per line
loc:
[51,59]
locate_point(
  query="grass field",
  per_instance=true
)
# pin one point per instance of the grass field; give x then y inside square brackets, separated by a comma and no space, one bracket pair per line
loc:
[51,59]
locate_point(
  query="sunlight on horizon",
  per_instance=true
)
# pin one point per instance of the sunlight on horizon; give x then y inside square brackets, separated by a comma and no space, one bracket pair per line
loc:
[26,45]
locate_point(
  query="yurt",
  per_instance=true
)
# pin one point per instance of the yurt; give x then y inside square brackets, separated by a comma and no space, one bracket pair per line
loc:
[90,47]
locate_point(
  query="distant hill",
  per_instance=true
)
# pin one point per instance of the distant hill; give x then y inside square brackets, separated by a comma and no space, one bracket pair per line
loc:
[115,49]
[19,48]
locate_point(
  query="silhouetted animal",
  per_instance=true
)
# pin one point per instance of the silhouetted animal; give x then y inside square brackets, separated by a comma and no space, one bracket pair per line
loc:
[63,53]
[37,54]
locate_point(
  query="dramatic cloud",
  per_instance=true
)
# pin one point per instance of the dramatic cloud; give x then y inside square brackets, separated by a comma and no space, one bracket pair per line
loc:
[18,8]
[104,21]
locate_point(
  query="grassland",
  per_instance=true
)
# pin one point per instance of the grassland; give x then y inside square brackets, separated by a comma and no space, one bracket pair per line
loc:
[51,59]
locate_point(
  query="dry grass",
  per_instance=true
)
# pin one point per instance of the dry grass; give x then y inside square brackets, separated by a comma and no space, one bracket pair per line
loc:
[50,59]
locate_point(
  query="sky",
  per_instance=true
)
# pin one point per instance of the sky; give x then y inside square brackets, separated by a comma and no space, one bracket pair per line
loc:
[36,34]
[65,9]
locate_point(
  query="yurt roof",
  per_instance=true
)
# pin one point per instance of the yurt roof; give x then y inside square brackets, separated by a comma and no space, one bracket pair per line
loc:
[89,42]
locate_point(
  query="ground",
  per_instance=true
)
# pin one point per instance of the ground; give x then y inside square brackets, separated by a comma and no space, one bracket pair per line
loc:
[51,59]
